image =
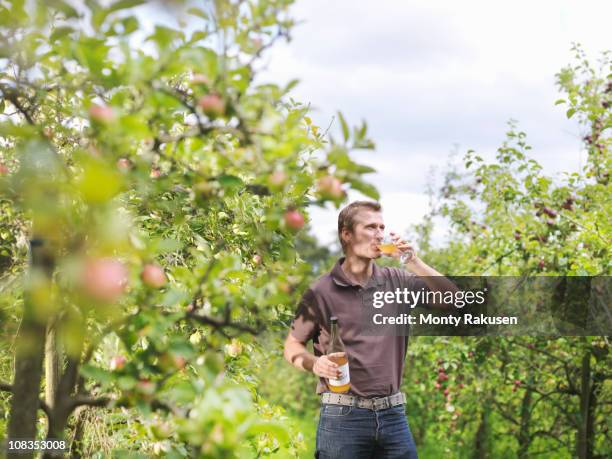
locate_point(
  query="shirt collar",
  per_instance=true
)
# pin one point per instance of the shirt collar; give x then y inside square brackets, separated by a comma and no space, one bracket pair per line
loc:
[339,276]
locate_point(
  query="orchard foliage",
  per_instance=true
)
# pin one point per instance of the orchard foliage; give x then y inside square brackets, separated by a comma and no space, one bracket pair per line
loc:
[523,396]
[509,217]
[151,194]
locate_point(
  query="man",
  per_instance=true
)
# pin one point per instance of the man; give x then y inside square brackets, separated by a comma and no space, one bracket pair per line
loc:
[369,421]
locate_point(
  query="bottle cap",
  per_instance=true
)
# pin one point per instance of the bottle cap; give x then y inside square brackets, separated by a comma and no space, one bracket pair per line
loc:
[333,319]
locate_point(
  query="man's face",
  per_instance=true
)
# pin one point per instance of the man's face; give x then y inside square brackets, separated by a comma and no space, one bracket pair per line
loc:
[368,232]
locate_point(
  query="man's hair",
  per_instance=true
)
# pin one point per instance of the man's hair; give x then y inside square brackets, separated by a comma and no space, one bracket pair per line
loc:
[346,218]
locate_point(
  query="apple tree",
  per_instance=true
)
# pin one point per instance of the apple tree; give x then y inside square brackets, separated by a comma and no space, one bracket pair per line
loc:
[152,190]
[509,218]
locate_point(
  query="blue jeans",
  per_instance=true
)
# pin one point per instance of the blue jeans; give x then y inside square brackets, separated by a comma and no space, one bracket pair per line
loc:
[358,433]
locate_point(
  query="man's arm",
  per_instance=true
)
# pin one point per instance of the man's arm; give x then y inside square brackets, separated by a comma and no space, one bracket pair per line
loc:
[296,354]
[435,281]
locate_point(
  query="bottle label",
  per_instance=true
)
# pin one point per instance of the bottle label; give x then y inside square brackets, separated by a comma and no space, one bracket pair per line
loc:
[344,376]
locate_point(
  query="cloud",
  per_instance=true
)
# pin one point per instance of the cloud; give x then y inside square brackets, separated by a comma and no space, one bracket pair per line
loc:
[430,77]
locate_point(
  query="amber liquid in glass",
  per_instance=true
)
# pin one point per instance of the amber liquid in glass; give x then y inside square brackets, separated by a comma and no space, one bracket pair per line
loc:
[388,248]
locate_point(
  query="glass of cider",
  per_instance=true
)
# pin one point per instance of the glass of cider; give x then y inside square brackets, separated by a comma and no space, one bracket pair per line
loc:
[388,247]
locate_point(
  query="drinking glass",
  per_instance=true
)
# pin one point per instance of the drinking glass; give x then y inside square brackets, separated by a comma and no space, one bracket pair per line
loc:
[387,247]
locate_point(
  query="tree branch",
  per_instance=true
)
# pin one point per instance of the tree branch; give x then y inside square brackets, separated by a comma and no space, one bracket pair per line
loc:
[5,387]
[12,96]
[219,324]
[106,402]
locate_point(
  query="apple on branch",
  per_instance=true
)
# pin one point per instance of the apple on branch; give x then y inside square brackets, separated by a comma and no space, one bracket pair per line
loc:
[212,105]
[101,114]
[294,219]
[153,276]
[329,187]
[117,362]
[104,279]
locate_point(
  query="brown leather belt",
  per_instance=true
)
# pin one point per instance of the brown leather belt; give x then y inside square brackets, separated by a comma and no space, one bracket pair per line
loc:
[374,404]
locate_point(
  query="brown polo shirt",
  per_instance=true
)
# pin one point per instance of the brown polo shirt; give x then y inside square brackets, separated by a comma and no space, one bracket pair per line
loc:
[376,363]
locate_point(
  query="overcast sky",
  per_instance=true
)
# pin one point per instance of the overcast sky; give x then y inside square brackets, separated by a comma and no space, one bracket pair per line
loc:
[431,77]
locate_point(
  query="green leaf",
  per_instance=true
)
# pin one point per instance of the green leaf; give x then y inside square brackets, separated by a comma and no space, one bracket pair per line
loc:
[344,125]
[166,246]
[63,7]
[163,36]
[570,112]
[275,429]
[292,84]
[363,169]
[365,188]
[97,374]
[60,32]
[173,297]
[198,12]
[230,182]
[123,4]
[559,101]
[130,24]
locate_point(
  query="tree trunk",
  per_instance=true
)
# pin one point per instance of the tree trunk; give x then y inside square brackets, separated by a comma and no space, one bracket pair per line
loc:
[30,348]
[76,448]
[583,451]
[53,366]
[481,441]
[524,439]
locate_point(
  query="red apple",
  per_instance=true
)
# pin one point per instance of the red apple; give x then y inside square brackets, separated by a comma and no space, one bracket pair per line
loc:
[101,113]
[104,279]
[446,391]
[153,276]
[438,386]
[329,187]
[180,362]
[212,105]
[569,202]
[257,43]
[541,264]
[257,259]
[233,349]
[146,387]
[124,164]
[278,178]
[294,219]
[117,362]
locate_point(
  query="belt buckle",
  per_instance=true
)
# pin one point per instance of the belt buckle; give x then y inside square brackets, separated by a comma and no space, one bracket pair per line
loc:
[382,406]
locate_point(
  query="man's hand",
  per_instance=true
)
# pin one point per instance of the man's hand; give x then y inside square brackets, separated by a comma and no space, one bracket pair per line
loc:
[405,249]
[326,368]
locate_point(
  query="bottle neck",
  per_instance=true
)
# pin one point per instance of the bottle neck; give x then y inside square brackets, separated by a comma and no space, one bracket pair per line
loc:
[333,332]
